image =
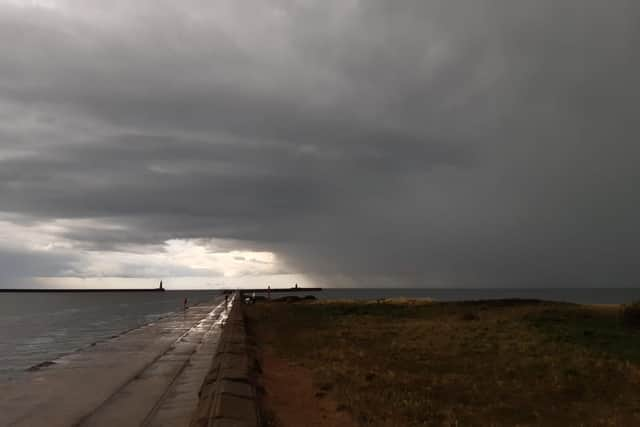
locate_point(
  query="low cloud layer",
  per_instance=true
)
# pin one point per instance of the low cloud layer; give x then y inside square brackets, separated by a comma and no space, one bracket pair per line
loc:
[410,143]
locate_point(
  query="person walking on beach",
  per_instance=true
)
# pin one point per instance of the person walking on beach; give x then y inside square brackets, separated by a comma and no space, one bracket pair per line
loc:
[185,303]
[226,301]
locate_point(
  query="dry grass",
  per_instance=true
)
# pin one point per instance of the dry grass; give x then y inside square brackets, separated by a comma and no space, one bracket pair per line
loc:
[499,363]
[631,315]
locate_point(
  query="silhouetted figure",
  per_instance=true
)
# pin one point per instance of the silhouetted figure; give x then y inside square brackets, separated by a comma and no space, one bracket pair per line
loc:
[161,286]
[226,300]
[185,303]
[268,291]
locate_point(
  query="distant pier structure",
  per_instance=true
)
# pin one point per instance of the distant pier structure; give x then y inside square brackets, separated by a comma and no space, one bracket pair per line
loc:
[269,290]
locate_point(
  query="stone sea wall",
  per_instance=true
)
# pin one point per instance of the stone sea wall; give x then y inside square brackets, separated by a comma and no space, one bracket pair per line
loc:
[228,393]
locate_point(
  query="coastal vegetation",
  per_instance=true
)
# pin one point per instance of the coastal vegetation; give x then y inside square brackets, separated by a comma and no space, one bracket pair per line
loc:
[415,363]
[631,315]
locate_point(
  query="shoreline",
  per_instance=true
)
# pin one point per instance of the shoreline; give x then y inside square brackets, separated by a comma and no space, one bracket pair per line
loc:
[41,328]
[19,372]
[124,332]
[143,363]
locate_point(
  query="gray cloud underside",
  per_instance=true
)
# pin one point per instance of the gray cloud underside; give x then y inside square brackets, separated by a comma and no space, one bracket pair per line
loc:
[405,143]
[17,264]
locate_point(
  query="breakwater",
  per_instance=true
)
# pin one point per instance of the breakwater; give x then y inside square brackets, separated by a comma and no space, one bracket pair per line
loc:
[228,393]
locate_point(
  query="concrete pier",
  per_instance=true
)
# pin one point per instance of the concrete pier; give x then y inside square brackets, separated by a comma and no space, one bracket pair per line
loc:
[149,376]
[228,396]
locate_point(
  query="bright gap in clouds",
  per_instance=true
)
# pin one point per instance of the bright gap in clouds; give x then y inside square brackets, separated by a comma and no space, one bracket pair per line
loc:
[205,283]
[180,263]
[364,143]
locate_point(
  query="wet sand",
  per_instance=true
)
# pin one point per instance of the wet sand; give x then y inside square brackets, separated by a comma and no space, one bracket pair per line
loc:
[148,376]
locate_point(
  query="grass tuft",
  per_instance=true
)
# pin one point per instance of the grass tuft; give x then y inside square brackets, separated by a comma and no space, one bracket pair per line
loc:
[631,315]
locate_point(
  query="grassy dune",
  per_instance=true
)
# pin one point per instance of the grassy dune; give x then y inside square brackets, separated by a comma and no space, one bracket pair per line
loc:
[476,363]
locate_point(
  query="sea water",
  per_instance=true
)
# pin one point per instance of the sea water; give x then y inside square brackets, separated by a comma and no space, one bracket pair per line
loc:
[42,326]
[38,327]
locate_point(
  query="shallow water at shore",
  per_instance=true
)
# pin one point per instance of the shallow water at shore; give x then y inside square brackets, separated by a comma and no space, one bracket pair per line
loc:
[38,327]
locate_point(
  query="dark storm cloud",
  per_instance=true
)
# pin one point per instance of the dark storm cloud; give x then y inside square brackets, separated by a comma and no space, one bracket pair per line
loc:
[427,142]
[15,265]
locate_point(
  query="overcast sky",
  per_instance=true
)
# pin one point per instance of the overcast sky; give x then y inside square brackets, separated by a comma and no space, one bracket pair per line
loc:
[337,142]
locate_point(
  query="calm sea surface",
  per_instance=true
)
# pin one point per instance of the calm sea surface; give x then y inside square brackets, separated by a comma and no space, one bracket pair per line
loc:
[36,327]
